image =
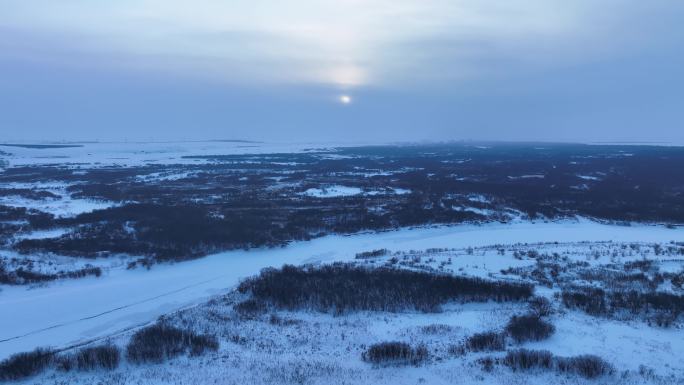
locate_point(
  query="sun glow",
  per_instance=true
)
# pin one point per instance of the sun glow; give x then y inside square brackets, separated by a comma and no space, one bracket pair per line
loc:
[345,99]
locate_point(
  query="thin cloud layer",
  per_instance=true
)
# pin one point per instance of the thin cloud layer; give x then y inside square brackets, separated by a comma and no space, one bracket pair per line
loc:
[346,43]
[437,50]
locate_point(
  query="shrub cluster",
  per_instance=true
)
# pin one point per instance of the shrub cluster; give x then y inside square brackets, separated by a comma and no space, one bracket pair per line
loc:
[678,280]
[588,366]
[487,363]
[436,329]
[24,365]
[151,344]
[588,299]
[486,342]
[250,308]
[664,308]
[395,353]
[372,254]
[159,342]
[98,357]
[22,276]
[523,359]
[540,306]
[346,287]
[529,327]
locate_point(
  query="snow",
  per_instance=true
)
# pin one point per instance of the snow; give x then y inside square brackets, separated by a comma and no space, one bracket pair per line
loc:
[67,207]
[101,154]
[588,177]
[54,263]
[582,186]
[64,206]
[345,191]
[626,344]
[73,311]
[672,266]
[479,198]
[401,191]
[395,191]
[42,234]
[333,191]
[531,176]
[164,176]
[474,210]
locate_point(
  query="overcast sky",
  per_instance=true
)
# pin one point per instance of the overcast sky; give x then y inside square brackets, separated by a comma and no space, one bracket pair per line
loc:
[342,70]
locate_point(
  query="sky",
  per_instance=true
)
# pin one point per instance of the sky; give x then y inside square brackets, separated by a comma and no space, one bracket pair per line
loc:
[342,70]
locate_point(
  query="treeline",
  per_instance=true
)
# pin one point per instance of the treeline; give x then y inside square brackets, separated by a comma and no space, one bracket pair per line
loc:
[661,308]
[24,365]
[11,219]
[182,230]
[21,276]
[340,288]
[165,232]
[27,193]
[372,254]
[246,201]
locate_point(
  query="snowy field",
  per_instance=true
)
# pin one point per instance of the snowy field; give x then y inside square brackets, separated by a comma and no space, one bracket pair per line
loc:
[310,347]
[71,312]
[60,204]
[117,295]
[101,154]
[345,191]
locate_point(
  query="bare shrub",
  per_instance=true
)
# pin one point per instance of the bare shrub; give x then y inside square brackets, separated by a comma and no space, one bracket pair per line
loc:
[98,357]
[65,362]
[250,308]
[372,254]
[540,306]
[486,342]
[456,350]
[660,307]
[24,365]
[159,342]
[346,287]
[487,363]
[529,327]
[588,366]
[590,300]
[523,359]
[395,353]
[277,320]
[436,329]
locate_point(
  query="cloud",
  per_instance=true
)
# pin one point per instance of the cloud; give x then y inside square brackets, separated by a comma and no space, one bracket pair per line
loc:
[345,43]
[416,69]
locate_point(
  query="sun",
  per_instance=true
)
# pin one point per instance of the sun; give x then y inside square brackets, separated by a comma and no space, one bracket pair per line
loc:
[345,99]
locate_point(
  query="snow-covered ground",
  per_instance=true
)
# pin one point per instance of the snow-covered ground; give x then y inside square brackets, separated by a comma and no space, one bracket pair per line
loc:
[95,154]
[61,205]
[309,347]
[345,191]
[332,192]
[73,311]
